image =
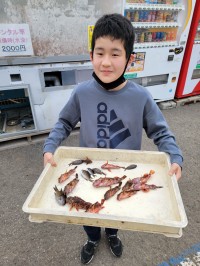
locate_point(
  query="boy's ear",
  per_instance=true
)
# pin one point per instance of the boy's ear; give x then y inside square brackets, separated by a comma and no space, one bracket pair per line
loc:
[91,56]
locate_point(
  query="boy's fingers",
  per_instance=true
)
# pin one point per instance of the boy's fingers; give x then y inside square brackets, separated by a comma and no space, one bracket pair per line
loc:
[49,160]
[53,163]
[175,169]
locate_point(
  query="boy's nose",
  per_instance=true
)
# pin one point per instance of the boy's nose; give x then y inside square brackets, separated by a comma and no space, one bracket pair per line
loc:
[106,61]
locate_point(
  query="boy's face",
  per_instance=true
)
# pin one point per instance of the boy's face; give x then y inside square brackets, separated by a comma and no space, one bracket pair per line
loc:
[108,59]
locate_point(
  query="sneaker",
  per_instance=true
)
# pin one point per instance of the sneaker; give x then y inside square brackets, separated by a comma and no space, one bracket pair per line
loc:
[87,252]
[116,246]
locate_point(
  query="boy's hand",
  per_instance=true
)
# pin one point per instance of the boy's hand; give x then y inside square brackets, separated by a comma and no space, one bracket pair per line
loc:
[48,158]
[175,169]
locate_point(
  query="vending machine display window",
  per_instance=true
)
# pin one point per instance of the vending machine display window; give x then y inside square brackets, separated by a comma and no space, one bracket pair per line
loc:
[189,78]
[161,30]
[16,113]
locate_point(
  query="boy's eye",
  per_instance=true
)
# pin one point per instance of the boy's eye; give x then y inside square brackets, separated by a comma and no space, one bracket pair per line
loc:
[115,55]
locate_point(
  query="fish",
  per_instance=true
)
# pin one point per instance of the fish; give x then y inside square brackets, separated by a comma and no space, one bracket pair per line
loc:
[98,171]
[130,167]
[128,185]
[66,175]
[107,181]
[71,185]
[145,187]
[108,166]
[59,196]
[143,179]
[126,194]
[87,160]
[91,172]
[96,207]
[86,175]
[78,162]
[146,177]
[77,203]
[112,191]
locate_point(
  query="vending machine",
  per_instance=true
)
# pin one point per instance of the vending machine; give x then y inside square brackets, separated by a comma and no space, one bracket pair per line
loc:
[161,33]
[189,79]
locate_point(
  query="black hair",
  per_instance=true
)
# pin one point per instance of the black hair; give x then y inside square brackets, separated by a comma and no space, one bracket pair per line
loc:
[117,27]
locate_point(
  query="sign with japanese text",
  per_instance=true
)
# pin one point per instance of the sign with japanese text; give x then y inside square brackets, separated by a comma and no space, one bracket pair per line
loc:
[15,40]
[90,32]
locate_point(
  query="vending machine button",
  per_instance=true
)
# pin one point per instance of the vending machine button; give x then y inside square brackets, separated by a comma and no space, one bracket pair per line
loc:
[170,57]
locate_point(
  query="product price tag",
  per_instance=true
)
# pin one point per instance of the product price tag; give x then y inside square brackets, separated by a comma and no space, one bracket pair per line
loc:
[15,40]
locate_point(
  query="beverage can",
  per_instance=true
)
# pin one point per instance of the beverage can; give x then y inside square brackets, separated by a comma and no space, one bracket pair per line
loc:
[136,16]
[153,36]
[149,37]
[142,37]
[141,16]
[153,16]
[146,34]
[146,15]
[164,35]
[149,16]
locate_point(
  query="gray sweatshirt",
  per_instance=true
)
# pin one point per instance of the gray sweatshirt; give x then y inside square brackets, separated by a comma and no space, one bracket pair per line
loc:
[113,119]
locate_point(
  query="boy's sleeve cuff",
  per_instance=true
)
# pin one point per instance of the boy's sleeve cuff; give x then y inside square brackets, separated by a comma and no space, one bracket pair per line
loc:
[177,159]
[49,148]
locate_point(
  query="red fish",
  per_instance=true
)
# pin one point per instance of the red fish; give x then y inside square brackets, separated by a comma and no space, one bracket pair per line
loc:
[96,207]
[128,185]
[108,166]
[143,179]
[71,185]
[112,191]
[107,181]
[145,187]
[66,175]
[126,194]
[78,203]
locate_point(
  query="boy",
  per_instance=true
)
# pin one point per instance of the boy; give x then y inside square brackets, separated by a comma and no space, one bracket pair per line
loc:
[112,111]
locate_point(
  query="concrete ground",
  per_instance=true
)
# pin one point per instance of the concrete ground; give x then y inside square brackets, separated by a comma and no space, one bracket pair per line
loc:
[26,243]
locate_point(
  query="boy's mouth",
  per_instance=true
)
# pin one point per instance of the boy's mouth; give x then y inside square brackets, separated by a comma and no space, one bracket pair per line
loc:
[106,72]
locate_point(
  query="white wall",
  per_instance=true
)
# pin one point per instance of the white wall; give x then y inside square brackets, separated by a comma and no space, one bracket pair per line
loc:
[58,27]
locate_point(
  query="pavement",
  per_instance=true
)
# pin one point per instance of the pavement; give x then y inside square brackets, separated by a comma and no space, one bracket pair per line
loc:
[26,243]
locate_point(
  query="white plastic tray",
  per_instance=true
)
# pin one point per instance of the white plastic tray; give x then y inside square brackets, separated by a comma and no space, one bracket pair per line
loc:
[158,211]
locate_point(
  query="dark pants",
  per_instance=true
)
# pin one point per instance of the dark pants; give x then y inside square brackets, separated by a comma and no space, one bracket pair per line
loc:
[94,233]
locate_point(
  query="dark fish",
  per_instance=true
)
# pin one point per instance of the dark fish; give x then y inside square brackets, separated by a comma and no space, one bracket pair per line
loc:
[87,160]
[98,171]
[77,162]
[86,175]
[91,172]
[132,166]
[60,196]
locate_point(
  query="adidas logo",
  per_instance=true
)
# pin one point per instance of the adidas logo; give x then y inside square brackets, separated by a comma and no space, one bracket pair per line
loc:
[111,130]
